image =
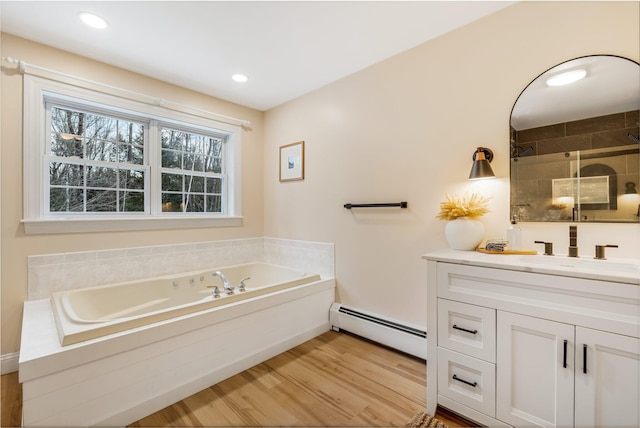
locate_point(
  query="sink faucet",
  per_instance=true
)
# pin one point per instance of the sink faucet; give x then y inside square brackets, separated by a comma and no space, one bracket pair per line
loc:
[573,241]
[548,247]
[228,288]
[600,251]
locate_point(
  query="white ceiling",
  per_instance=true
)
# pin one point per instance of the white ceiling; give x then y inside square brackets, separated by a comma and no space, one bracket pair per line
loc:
[287,48]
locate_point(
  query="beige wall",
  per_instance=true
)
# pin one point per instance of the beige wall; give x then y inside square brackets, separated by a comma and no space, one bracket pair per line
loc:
[406,128]
[16,246]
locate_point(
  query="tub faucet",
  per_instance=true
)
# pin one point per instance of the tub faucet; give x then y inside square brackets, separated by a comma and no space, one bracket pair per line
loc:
[228,288]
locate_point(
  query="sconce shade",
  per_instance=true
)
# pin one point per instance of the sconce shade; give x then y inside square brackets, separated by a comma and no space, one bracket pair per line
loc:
[630,188]
[481,167]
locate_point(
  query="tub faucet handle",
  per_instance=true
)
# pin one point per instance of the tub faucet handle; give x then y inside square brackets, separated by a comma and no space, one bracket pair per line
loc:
[216,290]
[548,247]
[242,286]
[600,251]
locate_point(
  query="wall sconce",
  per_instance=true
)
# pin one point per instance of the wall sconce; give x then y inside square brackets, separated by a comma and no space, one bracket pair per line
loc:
[481,167]
[630,188]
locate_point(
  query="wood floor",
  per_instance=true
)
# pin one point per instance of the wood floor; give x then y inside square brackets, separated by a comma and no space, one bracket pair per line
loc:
[335,379]
[11,399]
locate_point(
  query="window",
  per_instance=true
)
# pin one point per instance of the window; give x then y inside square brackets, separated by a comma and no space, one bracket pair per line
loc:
[95,161]
[192,166]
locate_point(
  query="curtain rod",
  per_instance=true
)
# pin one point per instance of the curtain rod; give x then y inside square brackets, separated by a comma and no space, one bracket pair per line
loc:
[26,68]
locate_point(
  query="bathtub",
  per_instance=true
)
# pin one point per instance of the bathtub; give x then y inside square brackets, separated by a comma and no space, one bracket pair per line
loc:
[89,313]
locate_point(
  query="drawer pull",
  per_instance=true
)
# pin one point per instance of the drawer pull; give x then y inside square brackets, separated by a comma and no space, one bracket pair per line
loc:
[564,355]
[474,384]
[464,329]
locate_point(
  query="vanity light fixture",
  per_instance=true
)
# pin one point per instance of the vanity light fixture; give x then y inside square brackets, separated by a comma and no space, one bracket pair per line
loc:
[566,77]
[630,188]
[92,20]
[481,167]
[240,78]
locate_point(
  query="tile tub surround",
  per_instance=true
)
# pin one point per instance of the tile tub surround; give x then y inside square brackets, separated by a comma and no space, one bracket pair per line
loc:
[70,271]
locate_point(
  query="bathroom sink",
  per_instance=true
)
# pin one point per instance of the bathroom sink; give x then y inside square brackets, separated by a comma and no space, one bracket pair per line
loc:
[584,263]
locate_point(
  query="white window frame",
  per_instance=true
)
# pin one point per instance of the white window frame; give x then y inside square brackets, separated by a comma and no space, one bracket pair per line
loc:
[38,91]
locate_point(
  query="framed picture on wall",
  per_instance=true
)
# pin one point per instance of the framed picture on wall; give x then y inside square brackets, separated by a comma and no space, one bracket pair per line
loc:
[292,161]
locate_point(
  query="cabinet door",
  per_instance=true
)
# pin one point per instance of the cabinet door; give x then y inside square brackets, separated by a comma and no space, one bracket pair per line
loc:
[608,387]
[534,371]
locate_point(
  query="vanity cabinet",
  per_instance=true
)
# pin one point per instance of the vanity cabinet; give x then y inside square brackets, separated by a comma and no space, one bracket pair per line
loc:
[508,346]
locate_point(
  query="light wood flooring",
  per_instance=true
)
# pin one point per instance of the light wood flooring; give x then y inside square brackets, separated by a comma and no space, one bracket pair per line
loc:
[335,379]
[11,399]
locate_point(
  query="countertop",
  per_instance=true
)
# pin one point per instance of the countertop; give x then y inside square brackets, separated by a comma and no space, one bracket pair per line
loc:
[615,270]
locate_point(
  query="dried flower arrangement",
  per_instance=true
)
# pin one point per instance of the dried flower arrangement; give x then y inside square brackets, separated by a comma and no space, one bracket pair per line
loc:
[455,206]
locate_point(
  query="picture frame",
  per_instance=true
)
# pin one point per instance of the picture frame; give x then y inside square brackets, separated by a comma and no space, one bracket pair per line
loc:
[292,162]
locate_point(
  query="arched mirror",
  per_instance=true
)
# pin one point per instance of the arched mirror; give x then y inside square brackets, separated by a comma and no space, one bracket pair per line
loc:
[575,143]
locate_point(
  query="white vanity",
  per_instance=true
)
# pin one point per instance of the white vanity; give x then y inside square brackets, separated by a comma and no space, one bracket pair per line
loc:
[534,340]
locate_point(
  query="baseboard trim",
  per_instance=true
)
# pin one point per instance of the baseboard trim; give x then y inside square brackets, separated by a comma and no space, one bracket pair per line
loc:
[9,363]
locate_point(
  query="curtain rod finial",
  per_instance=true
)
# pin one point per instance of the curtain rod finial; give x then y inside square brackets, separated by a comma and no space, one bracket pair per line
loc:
[21,64]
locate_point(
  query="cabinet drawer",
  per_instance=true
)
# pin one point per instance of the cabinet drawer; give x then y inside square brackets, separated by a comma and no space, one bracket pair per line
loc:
[468,329]
[467,380]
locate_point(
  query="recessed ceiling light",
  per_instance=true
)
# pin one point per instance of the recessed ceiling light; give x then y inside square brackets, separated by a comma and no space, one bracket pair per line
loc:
[92,20]
[240,78]
[567,77]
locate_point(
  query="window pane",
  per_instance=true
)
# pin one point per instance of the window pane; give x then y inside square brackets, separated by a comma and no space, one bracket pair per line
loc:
[194,184]
[171,139]
[214,203]
[171,202]
[130,154]
[171,159]
[98,176]
[193,143]
[66,174]
[193,162]
[214,185]
[66,200]
[76,133]
[66,145]
[131,202]
[130,179]
[101,150]
[130,132]
[213,164]
[98,127]
[172,182]
[101,200]
[195,203]
[213,147]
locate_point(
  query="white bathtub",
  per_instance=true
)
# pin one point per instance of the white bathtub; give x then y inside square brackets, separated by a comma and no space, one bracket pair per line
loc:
[94,312]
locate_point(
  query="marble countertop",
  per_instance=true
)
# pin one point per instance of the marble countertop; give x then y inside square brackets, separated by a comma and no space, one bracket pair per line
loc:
[616,270]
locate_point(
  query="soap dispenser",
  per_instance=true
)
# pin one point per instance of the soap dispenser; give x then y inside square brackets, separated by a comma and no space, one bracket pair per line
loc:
[514,235]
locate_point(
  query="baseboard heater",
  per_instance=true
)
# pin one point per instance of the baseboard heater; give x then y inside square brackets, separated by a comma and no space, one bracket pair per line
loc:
[371,326]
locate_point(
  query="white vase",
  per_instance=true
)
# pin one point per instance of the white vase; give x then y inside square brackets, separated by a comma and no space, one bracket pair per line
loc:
[464,233]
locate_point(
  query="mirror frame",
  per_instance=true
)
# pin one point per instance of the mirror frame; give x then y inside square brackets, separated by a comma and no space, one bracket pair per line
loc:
[517,151]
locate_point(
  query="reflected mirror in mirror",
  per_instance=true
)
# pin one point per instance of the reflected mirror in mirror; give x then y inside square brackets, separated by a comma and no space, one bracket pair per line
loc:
[575,143]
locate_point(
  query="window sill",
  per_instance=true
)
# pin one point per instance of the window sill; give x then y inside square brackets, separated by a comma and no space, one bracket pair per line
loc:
[49,226]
